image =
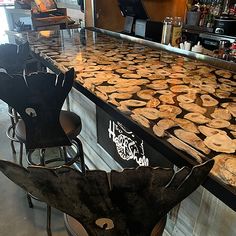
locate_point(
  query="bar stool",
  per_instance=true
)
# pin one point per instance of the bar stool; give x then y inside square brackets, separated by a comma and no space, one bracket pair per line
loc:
[13,60]
[133,202]
[38,98]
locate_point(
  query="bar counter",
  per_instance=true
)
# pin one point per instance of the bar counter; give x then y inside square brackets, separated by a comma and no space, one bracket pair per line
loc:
[183,108]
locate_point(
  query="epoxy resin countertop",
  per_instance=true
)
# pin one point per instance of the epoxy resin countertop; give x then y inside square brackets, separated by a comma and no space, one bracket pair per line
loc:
[189,104]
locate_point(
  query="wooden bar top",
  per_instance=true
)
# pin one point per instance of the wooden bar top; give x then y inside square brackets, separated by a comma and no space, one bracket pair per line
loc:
[187,104]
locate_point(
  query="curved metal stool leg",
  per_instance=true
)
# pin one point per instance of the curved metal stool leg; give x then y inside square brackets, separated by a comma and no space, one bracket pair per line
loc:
[49,220]
[29,198]
[13,147]
[11,114]
[11,130]
[42,157]
[65,154]
[30,203]
[21,154]
[81,154]
[11,135]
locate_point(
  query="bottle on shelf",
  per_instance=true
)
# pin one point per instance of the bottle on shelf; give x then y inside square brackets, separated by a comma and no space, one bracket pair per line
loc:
[233,51]
[210,19]
[176,31]
[232,10]
[223,51]
[202,15]
[226,7]
[167,29]
[217,8]
[209,9]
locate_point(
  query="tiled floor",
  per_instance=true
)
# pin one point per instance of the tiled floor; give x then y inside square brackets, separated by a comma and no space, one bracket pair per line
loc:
[16,218]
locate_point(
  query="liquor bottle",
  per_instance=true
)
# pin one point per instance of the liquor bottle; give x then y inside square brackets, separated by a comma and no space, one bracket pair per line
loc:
[232,10]
[203,10]
[208,17]
[166,31]
[226,7]
[217,8]
[210,21]
[233,51]
[176,31]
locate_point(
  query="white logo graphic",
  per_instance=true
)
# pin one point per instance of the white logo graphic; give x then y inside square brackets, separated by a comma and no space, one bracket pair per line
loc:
[127,148]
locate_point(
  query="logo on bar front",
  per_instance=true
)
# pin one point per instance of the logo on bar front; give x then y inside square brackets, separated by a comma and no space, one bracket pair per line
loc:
[129,147]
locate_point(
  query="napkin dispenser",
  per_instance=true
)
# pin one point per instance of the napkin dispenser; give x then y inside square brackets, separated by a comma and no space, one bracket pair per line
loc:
[151,30]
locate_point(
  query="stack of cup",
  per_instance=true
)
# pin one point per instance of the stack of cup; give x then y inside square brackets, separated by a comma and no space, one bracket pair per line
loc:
[197,48]
[185,46]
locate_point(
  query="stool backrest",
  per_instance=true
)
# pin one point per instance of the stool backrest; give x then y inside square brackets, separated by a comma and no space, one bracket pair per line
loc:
[13,57]
[132,202]
[38,98]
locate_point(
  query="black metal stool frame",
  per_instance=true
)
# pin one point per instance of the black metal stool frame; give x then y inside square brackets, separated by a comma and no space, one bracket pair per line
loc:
[13,60]
[127,203]
[38,99]
[78,155]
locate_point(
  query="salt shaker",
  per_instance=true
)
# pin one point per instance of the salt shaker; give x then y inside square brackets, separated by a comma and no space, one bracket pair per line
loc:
[167,29]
